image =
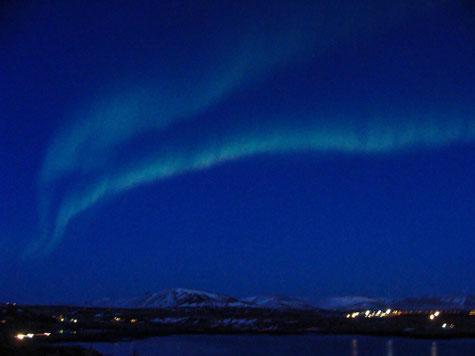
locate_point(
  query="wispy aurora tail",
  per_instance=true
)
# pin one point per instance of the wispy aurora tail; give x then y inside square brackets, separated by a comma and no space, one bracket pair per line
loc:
[87,155]
[184,155]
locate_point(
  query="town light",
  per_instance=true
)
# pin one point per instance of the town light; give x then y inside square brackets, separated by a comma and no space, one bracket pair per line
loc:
[22,336]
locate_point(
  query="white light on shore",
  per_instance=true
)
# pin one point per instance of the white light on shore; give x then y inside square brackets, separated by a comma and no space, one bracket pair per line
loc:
[22,336]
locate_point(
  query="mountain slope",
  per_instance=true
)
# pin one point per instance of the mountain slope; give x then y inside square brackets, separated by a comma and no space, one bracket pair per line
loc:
[432,303]
[173,298]
[412,303]
[276,302]
[352,303]
[187,298]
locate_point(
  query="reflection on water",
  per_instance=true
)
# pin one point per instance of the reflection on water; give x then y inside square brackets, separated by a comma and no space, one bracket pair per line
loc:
[433,349]
[295,345]
[389,348]
[354,347]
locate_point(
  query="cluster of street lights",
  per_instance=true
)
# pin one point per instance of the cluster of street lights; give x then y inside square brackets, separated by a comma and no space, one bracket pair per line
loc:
[372,314]
[30,336]
[434,315]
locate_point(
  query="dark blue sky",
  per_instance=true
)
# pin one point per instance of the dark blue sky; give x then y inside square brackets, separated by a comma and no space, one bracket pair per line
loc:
[284,148]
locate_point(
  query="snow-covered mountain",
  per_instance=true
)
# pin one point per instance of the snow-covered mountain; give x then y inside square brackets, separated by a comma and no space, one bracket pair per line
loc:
[187,298]
[276,302]
[172,298]
[432,303]
[352,303]
[413,303]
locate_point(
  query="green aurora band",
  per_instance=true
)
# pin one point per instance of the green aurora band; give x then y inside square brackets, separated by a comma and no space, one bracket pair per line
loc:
[89,147]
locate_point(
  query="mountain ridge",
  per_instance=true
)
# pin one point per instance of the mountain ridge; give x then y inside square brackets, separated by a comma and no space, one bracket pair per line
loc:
[190,298]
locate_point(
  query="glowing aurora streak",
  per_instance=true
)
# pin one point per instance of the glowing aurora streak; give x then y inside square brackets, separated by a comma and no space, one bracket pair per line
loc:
[89,147]
[319,136]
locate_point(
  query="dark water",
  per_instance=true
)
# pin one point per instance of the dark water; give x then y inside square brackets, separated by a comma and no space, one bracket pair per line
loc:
[251,345]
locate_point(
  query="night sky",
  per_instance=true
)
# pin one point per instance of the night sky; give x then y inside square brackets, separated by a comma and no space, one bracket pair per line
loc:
[303,148]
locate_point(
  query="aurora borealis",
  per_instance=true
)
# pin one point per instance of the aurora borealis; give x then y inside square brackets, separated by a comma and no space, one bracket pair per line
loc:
[191,153]
[130,97]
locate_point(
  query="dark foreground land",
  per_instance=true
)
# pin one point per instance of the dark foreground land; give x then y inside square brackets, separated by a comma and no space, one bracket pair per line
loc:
[40,330]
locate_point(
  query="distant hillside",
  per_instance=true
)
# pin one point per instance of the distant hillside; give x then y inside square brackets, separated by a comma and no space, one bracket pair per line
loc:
[187,298]
[412,303]
[352,303]
[277,302]
[432,303]
[173,298]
